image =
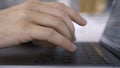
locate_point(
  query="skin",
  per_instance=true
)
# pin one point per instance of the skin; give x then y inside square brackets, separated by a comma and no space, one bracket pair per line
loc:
[39,21]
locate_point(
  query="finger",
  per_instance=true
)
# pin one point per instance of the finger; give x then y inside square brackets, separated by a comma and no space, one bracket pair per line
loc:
[51,22]
[75,16]
[58,13]
[44,44]
[50,35]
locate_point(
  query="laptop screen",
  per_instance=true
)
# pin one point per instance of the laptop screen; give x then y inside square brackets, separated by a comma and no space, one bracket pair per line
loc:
[111,35]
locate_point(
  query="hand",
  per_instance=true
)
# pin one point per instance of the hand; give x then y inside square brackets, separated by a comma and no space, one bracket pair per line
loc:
[34,20]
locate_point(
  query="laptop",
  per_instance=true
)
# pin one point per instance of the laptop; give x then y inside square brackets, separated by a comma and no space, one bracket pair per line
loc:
[105,53]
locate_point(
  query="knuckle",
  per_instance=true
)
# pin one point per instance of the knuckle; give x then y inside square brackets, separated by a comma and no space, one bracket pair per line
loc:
[27,10]
[50,32]
[61,13]
[51,18]
[59,24]
[56,21]
[64,41]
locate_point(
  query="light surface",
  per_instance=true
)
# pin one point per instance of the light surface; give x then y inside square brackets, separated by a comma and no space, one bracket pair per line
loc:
[93,30]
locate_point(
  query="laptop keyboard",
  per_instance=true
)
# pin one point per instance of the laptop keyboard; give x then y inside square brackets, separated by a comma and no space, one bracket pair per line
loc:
[85,55]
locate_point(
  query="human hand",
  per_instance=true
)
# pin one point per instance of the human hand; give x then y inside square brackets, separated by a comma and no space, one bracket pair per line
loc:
[34,20]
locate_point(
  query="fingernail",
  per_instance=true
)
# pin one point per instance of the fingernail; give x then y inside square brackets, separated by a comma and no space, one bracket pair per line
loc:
[73,48]
[85,22]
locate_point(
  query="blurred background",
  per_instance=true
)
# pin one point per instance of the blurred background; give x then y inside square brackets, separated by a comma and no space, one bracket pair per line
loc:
[96,12]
